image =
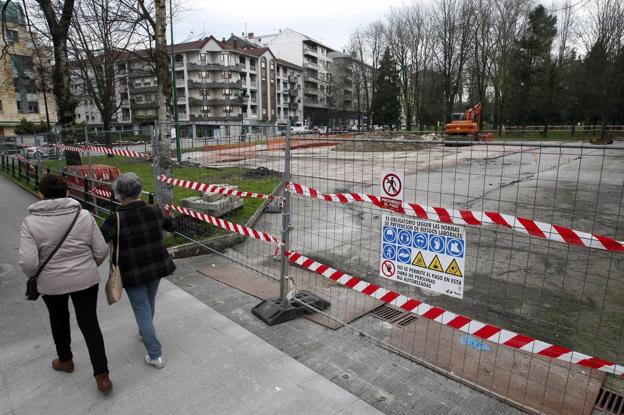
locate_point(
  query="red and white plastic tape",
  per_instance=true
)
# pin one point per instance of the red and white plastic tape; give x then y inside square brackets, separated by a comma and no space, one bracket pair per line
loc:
[462,323]
[203,187]
[106,150]
[465,324]
[224,224]
[471,217]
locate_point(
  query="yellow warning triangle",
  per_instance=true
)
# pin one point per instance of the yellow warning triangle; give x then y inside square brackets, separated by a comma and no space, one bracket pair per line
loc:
[453,269]
[419,261]
[435,264]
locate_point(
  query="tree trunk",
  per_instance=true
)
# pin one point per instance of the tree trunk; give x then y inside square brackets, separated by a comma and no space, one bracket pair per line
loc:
[162,139]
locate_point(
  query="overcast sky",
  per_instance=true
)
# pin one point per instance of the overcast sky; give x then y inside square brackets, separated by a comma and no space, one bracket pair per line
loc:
[328,21]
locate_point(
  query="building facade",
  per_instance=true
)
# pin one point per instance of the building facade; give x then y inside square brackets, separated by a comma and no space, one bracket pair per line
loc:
[327,79]
[223,89]
[22,74]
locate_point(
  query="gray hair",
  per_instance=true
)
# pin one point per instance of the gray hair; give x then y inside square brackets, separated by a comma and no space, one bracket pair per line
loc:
[127,186]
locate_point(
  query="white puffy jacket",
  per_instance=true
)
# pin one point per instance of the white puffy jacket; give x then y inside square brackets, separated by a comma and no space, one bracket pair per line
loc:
[74,266]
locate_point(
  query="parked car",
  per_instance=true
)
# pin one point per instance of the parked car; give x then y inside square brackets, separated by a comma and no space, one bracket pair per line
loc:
[299,128]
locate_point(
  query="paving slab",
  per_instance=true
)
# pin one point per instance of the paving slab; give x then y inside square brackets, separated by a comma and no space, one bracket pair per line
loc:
[213,364]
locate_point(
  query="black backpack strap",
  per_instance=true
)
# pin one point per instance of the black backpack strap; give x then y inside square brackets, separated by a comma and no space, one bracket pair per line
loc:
[59,244]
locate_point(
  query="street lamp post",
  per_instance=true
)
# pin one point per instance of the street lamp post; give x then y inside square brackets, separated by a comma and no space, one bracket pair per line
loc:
[175,88]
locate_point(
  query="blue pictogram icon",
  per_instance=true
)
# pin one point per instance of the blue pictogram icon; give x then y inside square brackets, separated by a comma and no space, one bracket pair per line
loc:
[405,238]
[455,247]
[389,251]
[436,244]
[420,240]
[404,255]
[389,234]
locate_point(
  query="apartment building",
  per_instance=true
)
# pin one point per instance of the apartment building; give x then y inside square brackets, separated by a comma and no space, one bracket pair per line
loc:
[326,86]
[21,95]
[223,88]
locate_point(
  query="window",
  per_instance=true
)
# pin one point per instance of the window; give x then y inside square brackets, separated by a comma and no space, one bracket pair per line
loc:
[0,106]
[227,75]
[147,83]
[273,112]
[263,111]
[226,91]
[205,92]
[33,107]
[272,66]
[227,108]
[263,64]
[202,57]
[205,108]
[203,75]
[12,37]
[139,98]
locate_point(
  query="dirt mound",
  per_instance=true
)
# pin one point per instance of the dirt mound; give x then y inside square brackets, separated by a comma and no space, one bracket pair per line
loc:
[396,144]
[262,173]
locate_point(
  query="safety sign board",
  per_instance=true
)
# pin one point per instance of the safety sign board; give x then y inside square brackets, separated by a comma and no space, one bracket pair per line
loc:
[425,254]
[392,186]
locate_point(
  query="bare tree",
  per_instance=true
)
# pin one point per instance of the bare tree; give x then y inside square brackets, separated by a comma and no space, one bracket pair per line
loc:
[453,22]
[361,75]
[58,17]
[400,42]
[101,30]
[508,18]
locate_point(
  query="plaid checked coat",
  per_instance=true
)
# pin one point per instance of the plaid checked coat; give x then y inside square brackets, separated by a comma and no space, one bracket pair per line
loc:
[143,256]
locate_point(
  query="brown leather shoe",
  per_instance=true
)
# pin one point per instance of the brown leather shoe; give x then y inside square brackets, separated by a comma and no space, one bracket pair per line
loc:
[63,365]
[104,383]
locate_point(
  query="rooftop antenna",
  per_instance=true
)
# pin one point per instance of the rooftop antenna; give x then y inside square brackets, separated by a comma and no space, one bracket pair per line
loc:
[245,29]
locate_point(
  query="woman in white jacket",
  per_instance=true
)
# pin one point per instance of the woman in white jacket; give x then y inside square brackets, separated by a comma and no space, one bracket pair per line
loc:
[72,272]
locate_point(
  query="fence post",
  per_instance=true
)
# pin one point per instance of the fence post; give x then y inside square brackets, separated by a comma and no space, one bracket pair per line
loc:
[85,196]
[285,216]
[19,170]
[3,163]
[36,177]
[13,166]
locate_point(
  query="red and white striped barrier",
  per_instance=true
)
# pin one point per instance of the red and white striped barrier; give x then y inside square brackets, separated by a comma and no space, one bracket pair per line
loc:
[456,321]
[227,225]
[203,187]
[462,323]
[106,150]
[471,217]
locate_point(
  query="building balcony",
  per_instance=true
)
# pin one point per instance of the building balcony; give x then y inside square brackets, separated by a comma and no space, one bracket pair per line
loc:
[179,64]
[253,84]
[194,66]
[310,51]
[310,65]
[293,92]
[313,103]
[142,89]
[193,84]
[293,106]
[198,102]
[253,68]
[143,118]
[310,78]
[140,73]
[293,79]
[144,105]
[310,91]
[208,117]
[182,100]
[253,100]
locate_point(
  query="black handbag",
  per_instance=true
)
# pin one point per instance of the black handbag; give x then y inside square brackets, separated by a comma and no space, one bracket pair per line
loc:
[31,285]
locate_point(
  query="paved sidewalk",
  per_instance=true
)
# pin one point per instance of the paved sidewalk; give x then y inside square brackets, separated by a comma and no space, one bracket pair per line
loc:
[214,366]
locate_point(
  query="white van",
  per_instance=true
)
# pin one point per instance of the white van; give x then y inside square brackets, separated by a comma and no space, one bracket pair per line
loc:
[299,128]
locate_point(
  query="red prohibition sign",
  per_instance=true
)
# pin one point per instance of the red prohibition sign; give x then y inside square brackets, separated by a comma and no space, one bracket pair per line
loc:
[392,184]
[388,268]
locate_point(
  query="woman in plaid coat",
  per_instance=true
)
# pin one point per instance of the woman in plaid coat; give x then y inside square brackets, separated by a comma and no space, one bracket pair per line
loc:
[143,257]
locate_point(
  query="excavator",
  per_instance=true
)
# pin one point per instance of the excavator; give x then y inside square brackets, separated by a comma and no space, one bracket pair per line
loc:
[464,126]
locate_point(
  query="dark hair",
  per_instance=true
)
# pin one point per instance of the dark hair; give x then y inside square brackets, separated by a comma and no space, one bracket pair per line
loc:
[52,186]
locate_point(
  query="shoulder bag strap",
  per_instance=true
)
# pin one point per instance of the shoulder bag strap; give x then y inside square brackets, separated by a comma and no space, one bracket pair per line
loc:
[117,249]
[59,244]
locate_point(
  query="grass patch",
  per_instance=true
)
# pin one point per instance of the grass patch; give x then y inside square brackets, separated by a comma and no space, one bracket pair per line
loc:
[244,178]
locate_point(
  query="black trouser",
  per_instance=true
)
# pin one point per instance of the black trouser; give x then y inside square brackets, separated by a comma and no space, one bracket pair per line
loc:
[85,304]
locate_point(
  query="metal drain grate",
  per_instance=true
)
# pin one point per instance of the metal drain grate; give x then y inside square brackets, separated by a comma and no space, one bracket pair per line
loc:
[386,313]
[406,320]
[610,402]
